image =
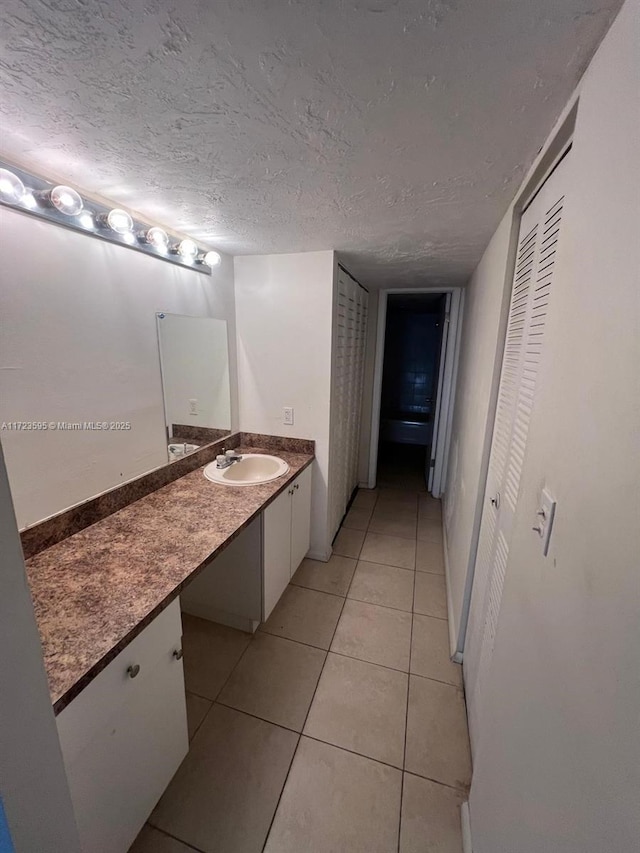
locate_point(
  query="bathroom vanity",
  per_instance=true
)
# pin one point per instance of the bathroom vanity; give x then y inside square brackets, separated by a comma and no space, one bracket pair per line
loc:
[108,609]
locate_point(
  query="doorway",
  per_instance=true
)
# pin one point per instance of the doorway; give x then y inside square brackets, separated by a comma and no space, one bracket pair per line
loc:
[415,367]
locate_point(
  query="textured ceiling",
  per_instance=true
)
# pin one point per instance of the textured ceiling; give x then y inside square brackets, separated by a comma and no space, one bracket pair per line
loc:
[395,131]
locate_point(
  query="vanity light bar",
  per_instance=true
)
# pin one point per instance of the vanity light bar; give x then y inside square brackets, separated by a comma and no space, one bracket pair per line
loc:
[64,206]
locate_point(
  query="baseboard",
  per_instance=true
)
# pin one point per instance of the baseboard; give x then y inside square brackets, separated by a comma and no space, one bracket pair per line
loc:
[456,656]
[465,821]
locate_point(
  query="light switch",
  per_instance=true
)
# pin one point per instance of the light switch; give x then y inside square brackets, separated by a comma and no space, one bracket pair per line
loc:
[545,515]
[288,415]
[193,407]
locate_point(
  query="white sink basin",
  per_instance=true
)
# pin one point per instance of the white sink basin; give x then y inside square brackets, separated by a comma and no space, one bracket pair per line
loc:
[252,470]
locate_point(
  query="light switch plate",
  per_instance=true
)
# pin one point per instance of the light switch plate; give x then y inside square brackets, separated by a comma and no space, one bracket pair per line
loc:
[546,515]
[193,407]
[288,415]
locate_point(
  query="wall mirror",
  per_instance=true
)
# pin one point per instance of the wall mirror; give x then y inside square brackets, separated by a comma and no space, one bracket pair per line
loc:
[194,363]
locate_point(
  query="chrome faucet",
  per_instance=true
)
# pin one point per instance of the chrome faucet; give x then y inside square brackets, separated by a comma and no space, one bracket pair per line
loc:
[227,458]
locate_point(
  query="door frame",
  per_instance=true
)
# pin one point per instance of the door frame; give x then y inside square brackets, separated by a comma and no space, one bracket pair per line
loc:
[434,455]
[447,390]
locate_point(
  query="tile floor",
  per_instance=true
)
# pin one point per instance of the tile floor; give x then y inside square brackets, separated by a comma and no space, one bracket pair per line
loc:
[339,727]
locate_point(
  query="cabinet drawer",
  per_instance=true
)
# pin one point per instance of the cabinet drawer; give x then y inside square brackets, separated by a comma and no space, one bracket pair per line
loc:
[92,709]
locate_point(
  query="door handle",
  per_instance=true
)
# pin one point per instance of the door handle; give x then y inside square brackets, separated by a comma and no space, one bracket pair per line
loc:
[495,502]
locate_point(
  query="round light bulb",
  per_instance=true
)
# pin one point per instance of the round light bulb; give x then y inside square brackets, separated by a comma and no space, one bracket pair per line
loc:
[86,219]
[187,250]
[119,221]
[212,259]
[29,200]
[157,238]
[66,200]
[11,187]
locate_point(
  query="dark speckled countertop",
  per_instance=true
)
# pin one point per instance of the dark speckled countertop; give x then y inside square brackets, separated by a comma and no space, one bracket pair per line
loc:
[96,590]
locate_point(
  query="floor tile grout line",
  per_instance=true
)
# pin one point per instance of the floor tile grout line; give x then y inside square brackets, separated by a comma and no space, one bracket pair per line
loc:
[302,643]
[206,714]
[295,752]
[395,535]
[406,719]
[408,672]
[284,784]
[431,616]
[358,560]
[200,696]
[315,589]
[386,606]
[175,838]
[437,680]
[258,717]
[233,669]
[352,751]
[461,790]
[389,565]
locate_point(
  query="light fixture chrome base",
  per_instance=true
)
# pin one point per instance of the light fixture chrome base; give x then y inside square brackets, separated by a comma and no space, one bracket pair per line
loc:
[92,220]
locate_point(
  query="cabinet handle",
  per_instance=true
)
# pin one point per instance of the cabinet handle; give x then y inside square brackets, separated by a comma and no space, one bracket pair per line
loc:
[290,492]
[133,670]
[177,653]
[297,486]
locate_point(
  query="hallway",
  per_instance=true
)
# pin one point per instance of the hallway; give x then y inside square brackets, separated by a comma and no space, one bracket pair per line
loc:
[340,726]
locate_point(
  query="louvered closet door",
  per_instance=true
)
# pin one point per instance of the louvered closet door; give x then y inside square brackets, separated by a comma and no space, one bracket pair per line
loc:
[350,324]
[532,283]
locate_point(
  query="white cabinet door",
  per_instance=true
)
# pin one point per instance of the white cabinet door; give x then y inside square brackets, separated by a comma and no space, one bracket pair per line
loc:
[300,519]
[123,738]
[276,550]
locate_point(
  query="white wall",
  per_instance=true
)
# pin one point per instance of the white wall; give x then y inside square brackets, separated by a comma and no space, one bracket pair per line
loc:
[195,365]
[284,316]
[33,784]
[78,342]
[558,762]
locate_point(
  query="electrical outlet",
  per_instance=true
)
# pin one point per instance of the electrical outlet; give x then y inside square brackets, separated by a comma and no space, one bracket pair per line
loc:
[193,407]
[288,415]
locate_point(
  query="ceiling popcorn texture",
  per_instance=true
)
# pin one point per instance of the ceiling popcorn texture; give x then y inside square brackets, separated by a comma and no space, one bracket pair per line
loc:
[395,131]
